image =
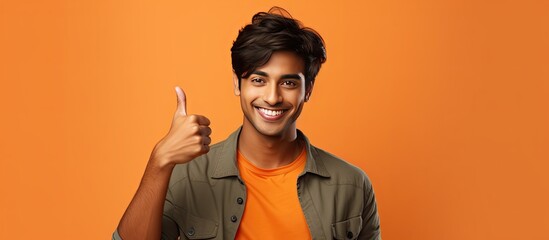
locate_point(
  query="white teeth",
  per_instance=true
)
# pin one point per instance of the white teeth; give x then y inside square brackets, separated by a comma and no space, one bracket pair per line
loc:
[270,112]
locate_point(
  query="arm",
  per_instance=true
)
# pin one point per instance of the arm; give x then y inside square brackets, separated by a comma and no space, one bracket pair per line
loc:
[143,216]
[370,218]
[188,138]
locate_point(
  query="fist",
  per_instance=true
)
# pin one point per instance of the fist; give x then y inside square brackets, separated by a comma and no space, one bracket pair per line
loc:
[188,138]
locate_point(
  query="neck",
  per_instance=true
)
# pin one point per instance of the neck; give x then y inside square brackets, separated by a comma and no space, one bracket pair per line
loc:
[269,152]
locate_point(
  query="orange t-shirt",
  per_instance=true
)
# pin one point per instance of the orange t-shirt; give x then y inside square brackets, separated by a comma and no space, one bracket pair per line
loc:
[272,207]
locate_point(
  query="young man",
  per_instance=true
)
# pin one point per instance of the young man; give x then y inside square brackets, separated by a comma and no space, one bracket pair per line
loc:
[266,181]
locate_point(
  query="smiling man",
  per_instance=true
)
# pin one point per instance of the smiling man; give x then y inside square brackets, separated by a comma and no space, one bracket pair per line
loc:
[265,181]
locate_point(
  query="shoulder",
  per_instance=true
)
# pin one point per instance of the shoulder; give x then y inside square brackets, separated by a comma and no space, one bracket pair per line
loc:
[341,171]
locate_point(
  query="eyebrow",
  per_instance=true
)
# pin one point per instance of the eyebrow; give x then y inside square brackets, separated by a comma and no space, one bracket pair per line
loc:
[284,76]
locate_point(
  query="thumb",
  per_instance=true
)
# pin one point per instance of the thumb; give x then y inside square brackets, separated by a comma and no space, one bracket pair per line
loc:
[181,101]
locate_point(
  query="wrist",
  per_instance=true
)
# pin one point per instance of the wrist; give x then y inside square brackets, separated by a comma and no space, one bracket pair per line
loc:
[161,163]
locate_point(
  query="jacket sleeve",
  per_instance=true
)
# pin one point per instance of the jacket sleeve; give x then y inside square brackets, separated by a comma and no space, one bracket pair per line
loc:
[115,235]
[170,229]
[370,218]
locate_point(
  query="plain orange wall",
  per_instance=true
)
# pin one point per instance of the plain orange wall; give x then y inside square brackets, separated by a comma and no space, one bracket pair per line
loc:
[445,104]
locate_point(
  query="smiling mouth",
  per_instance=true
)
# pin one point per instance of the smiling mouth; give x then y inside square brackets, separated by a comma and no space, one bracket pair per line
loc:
[270,114]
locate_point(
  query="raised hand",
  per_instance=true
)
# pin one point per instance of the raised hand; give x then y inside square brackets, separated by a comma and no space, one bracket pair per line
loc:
[189,136]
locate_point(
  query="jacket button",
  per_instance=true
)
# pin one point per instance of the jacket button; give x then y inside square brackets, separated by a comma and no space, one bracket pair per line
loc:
[239,200]
[190,232]
[349,235]
[233,218]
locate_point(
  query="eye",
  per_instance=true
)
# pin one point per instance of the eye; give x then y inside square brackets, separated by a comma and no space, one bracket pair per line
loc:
[289,83]
[257,80]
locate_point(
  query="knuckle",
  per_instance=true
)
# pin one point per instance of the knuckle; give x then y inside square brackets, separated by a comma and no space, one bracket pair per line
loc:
[191,118]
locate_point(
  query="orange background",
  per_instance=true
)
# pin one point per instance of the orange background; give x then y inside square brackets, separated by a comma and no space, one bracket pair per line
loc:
[445,104]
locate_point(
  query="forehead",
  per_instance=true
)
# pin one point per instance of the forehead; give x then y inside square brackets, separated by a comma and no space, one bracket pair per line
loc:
[283,62]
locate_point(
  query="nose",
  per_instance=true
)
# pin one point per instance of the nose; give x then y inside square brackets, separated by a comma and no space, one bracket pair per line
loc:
[272,95]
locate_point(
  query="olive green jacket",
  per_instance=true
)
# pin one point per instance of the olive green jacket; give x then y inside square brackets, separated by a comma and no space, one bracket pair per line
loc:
[206,197]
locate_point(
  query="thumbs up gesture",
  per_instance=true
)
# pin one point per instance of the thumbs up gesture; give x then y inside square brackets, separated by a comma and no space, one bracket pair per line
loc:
[188,138]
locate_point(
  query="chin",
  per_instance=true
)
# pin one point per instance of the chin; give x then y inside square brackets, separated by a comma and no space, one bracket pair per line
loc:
[269,132]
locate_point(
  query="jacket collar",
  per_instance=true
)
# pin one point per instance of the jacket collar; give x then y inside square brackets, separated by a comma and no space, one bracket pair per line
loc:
[226,158]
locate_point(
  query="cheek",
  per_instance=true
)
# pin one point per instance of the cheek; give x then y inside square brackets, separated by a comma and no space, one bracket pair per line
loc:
[247,96]
[296,98]
[252,93]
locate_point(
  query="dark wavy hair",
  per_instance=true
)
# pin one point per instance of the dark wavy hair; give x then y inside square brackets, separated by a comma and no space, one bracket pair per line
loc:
[273,31]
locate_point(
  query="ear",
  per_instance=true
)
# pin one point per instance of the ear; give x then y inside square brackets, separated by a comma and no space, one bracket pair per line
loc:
[309,91]
[236,85]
